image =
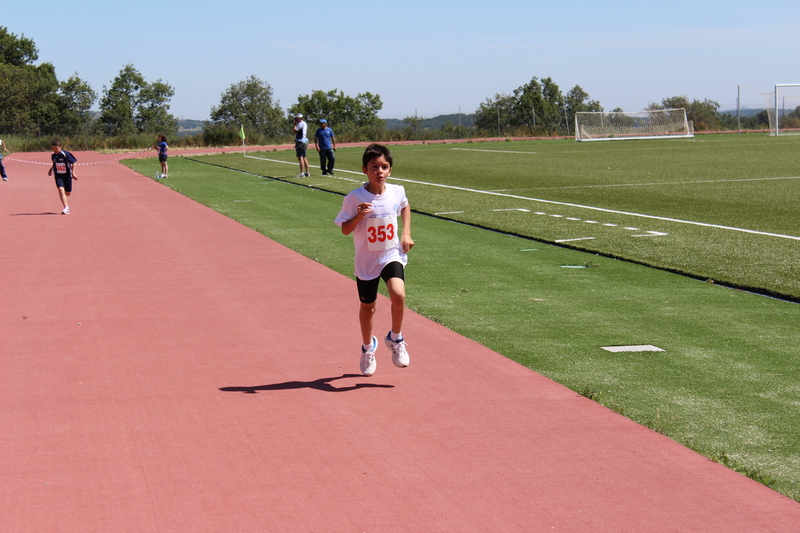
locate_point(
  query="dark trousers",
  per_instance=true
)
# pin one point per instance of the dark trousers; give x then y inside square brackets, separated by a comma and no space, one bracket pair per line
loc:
[326,159]
[5,176]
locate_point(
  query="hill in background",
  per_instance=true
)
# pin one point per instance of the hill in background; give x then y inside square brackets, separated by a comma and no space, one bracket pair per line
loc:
[434,123]
[190,127]
[743,112]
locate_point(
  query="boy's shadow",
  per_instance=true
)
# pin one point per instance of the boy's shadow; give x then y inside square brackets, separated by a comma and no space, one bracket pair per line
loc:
[322,384]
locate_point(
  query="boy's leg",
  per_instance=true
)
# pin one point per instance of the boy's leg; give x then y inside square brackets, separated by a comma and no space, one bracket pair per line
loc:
[397,294]
[366,315]
[62,195]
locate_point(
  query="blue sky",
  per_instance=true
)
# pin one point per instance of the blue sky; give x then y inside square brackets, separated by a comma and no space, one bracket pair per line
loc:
[425,57]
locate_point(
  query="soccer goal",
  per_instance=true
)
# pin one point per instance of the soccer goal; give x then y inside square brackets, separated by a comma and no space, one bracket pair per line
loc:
[784,109]
[610,126]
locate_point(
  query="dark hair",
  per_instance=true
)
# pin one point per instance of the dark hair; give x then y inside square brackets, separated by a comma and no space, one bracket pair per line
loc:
[56,142]
[162,138]
[374,151]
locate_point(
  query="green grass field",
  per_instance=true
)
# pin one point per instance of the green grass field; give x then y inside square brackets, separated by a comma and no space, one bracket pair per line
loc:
[728,382]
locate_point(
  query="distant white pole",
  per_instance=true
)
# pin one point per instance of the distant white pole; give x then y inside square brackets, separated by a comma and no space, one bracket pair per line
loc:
[776,110]
[738,106]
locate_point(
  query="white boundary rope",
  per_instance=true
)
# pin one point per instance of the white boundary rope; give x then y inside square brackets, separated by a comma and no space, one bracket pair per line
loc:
[120,158]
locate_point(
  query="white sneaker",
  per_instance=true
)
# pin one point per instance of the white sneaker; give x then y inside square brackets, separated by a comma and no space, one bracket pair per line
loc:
[399,354]
[301,175]
[368,363]
[307,174]
[65,211]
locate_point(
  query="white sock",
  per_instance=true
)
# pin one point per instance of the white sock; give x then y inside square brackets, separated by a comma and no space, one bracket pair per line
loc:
[395,336]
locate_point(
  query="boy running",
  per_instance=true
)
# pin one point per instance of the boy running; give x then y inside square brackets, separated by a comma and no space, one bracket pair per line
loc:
[63,163]
[370,214]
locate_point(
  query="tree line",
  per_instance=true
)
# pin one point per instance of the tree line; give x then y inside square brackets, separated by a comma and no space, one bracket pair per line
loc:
[34,104]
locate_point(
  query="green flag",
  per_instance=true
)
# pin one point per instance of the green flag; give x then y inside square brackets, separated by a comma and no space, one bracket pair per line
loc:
[241,132]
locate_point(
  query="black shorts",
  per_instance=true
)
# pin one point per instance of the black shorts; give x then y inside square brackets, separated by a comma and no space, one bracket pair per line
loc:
[162,158]
[368,290]
[300,149]
[65,181]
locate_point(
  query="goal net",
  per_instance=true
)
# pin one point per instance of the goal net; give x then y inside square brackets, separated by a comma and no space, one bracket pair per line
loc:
[783,109]
[655,124]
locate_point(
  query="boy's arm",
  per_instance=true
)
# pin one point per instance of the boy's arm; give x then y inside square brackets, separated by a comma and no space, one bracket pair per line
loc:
[349,225]
[71,162]
[406,242]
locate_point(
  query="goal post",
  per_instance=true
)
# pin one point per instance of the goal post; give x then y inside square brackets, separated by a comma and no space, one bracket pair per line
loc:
[619,125]
[784,109]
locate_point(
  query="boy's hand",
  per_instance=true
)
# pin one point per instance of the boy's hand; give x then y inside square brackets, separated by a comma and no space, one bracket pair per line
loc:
[364,209]
[74,177]
[406,243]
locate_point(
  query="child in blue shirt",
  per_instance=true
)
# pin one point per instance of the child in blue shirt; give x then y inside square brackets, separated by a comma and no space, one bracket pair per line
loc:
[162,147]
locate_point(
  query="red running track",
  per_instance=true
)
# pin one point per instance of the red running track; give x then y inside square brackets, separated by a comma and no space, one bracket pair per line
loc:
[165,369]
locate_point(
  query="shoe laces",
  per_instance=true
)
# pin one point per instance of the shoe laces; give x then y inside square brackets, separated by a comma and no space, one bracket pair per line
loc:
[400,347]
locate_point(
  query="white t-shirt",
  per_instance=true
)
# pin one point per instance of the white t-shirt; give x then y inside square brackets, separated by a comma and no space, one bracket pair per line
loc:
[301,132]
[377,237]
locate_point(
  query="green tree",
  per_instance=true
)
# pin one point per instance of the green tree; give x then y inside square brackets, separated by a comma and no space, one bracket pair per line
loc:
[552,104]
[339,109]
[16,51]
[28,99]
[495,115]
[414,124]
[250,103]
[131,105]
[538,104]
[77,97]
[704,115]
[578,101]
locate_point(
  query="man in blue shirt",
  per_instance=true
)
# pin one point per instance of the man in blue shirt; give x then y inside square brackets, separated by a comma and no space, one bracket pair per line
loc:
[325,143]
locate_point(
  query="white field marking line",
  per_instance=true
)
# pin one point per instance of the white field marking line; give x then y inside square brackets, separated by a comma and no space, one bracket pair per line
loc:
[514,209]
[659,184]
[649,233]
[310,166]
[448,212]
[633,348]
[579,239]
[495,151]
[602,209]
